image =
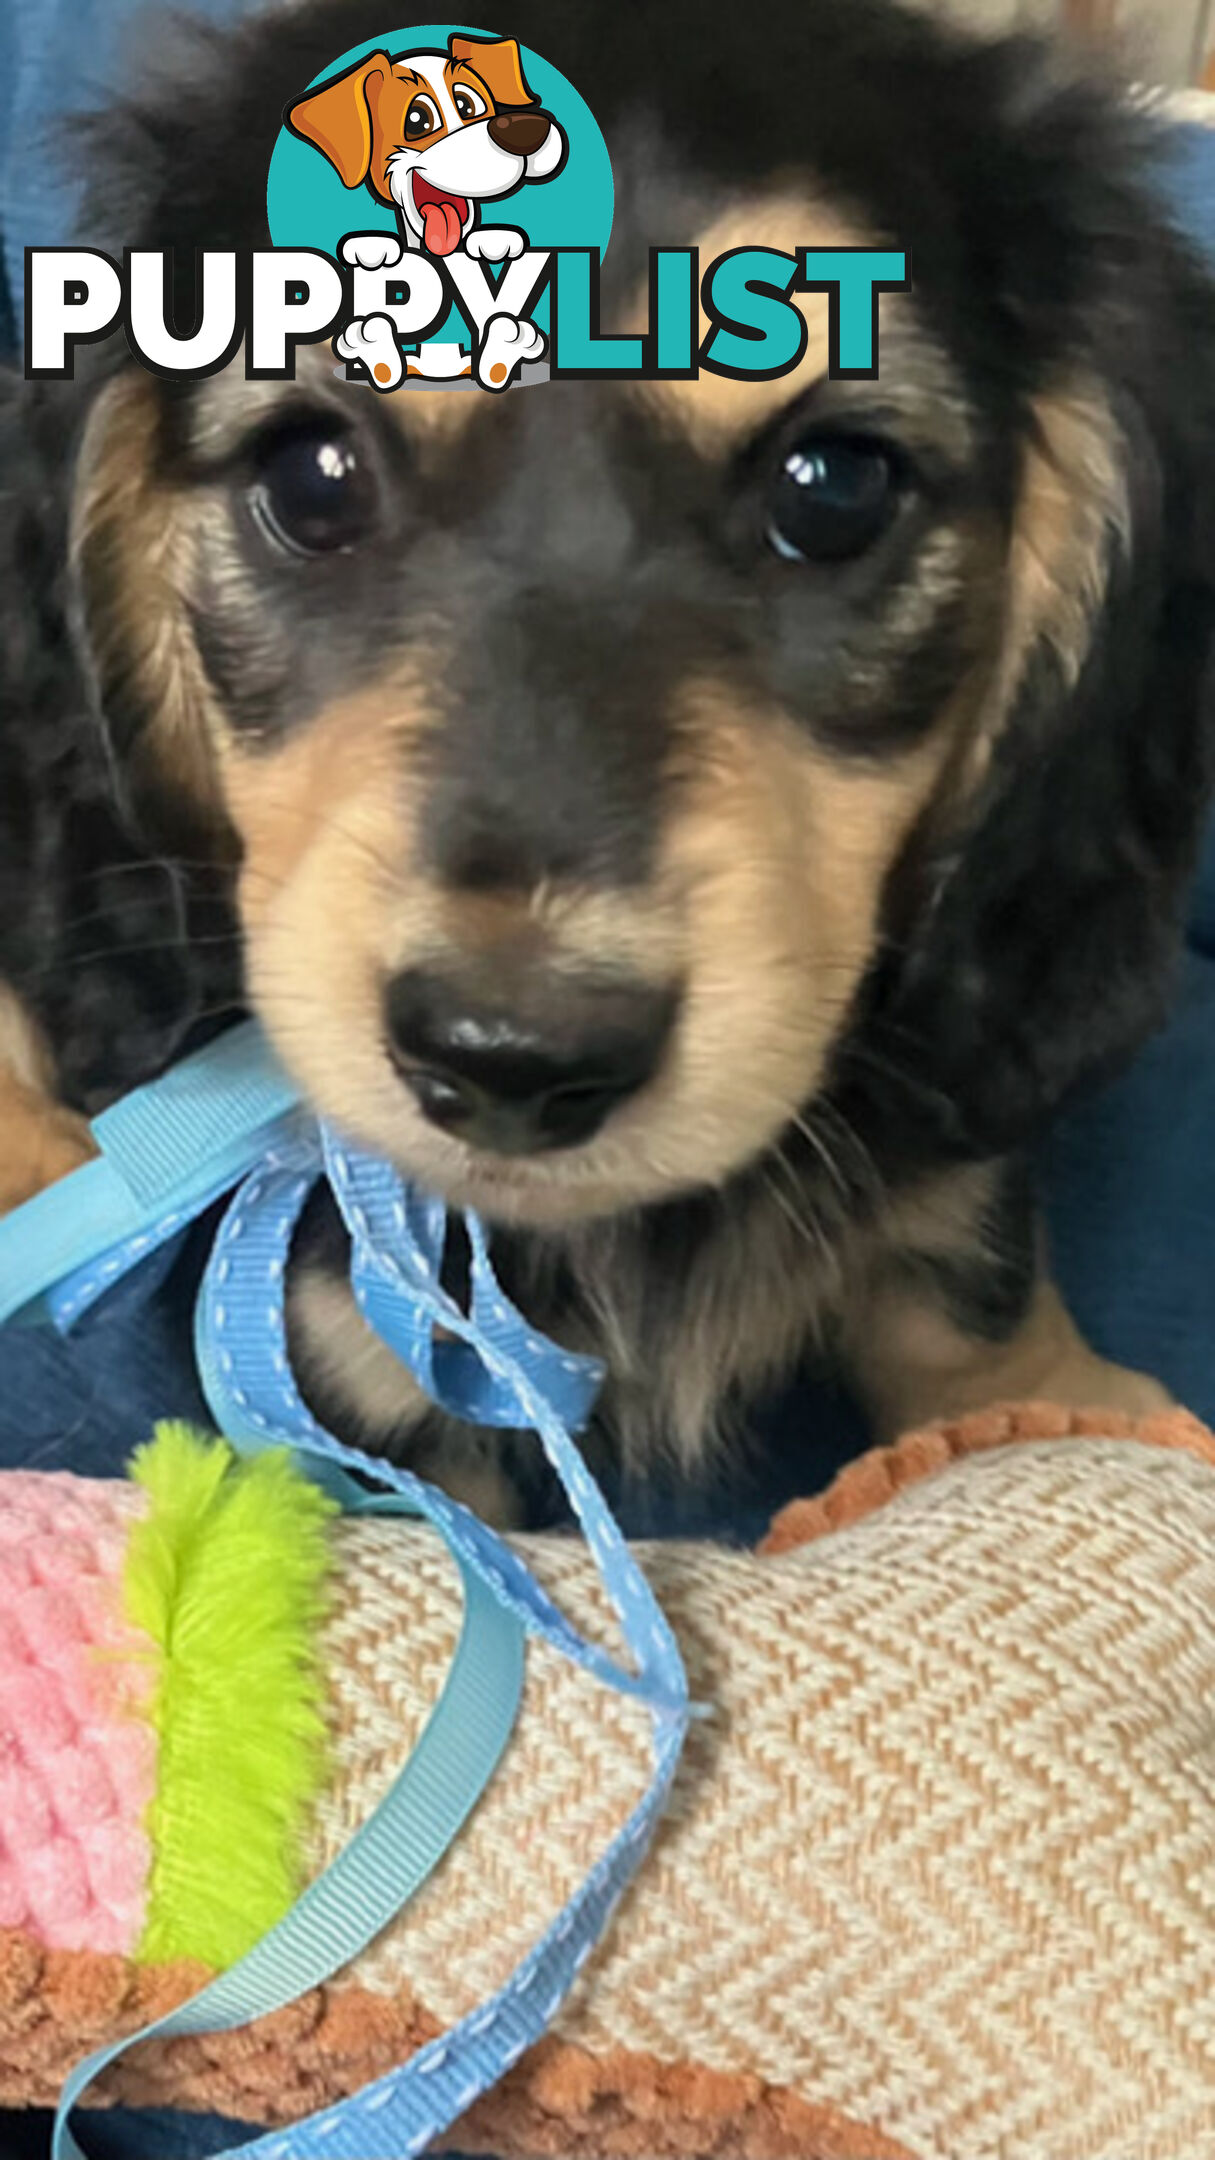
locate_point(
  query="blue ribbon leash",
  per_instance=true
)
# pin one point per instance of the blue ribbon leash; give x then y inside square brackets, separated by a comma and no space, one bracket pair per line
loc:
[228,1121]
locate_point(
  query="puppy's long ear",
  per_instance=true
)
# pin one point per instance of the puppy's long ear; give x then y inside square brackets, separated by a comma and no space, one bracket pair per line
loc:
[115,950]
[497,61]
[1034,937]
[336,119]
[1034,927]
[131,555]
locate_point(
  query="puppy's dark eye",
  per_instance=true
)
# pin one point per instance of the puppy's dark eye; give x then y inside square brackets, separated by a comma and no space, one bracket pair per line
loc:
[312,493]
[467,103]
[831,499]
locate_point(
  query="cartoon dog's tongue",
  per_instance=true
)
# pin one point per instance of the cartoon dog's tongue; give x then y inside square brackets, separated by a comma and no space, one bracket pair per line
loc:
[442,227]
[442,216]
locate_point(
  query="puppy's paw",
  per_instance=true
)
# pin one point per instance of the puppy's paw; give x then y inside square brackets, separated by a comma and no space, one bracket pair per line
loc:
[372,250]
[494,243]
[374,342]
[1096,1385]
[507,344]
[40,1142]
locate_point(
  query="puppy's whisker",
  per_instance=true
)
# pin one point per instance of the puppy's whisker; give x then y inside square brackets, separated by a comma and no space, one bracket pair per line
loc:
[113,911]
[904,1078]
[110,917]
[808,1231]
[174,866]
[851,1145]
[71,962]
[823,1154]
[228,1007]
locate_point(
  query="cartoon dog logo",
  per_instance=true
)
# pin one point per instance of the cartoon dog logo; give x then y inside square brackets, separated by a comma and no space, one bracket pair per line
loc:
[435,134]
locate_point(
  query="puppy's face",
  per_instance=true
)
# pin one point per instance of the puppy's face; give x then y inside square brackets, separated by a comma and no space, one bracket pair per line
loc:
[589,751]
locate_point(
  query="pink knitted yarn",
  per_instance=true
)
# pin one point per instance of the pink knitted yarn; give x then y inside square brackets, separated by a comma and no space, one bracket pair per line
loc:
[77,1766]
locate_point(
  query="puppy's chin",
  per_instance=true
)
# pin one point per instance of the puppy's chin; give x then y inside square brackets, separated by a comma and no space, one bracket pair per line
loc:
[545,1193]
[609,1176]
[651,1152]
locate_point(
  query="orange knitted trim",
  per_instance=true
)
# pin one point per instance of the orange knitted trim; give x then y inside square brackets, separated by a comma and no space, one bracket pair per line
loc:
[564,2102]
[55,2005]
[868,1483]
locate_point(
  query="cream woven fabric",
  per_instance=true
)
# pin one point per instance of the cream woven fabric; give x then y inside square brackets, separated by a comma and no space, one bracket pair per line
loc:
[944,1856]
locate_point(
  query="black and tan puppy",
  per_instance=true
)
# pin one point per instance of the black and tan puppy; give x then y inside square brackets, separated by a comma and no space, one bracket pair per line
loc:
[709,828]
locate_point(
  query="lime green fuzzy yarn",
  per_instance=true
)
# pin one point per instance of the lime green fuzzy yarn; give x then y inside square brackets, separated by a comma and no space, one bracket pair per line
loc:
[227,1575]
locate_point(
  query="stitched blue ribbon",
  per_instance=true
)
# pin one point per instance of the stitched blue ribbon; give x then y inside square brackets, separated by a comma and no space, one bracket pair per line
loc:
[165,1153]
[228,1118]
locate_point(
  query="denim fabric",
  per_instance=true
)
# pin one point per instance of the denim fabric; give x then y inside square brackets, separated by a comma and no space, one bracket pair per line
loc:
[59,57]
[1130,1179]
[1191,182]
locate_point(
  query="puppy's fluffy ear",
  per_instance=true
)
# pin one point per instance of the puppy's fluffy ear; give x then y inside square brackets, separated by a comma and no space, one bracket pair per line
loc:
[498,63]
[1035,942]
[336,119]
[105,944]
[131,558]
[1034,926]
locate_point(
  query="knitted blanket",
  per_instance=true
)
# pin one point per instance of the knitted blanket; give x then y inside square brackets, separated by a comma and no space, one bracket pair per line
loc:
[935,1884]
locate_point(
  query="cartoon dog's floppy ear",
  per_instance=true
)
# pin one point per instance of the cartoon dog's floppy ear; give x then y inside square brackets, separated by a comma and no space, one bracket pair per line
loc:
[497,62]
[336,119]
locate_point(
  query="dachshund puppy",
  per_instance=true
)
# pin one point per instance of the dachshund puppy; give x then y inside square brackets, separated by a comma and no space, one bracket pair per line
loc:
[708,827]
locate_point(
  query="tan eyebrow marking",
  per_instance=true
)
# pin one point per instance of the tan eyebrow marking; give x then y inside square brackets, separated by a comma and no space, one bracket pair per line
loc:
[438,415]
[715,411]
[227,407]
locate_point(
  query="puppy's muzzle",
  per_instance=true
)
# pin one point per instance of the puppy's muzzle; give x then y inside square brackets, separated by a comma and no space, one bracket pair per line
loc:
[522,133]
[529,1075]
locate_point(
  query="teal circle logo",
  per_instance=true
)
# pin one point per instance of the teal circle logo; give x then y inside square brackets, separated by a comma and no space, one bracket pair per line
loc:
[310,206]
[456,142]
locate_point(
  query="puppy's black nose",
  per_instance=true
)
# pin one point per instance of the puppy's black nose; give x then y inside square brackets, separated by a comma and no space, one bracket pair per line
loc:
[519,132]
[513,1082]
